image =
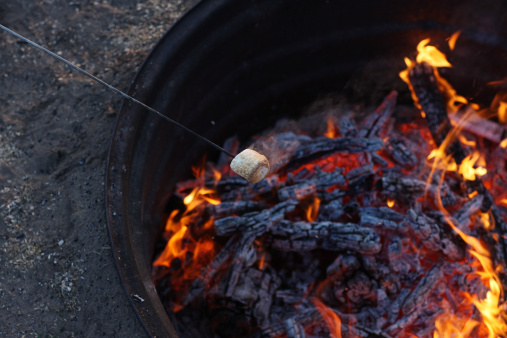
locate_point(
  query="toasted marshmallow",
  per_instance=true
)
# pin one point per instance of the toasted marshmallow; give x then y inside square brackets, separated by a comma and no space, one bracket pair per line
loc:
[250,165]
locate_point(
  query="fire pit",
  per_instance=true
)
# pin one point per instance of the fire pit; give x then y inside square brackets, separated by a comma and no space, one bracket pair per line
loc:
[235,69]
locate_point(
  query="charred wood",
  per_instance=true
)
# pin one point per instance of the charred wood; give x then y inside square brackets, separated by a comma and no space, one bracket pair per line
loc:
[360,180]
[464,214]
[400,153]
[235,208]
[333,209]
[394,309]
[407,189]
[382,217]
[323,146]
[347,126]
[239,262]
[427,283]
[304,236]
[199,285]
[374,124]
[294,329]
[434,237]
[475,124]
[298,192]
[432,104]
[256,222]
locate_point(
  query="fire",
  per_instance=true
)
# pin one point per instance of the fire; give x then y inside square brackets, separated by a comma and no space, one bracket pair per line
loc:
[448,325]
[437,59]
[192,254]
[502,111]
[331,319]
[331,132]
[494,317]
[313,210]
[468,298]
[452,40]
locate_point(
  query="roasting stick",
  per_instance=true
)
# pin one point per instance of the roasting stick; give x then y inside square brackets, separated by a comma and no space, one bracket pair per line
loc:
[249,164]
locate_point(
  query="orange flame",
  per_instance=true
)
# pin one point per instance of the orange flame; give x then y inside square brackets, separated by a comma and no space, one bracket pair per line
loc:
[192,254]
[313,210]
[448,325]
[435,58]
[452,39]
[331,319]
[331,132]
[390,203]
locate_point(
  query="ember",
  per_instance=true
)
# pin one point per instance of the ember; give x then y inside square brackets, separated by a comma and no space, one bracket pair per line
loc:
[352,234]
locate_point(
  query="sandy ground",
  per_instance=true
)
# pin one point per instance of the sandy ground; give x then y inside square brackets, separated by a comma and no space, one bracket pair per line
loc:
[57,273]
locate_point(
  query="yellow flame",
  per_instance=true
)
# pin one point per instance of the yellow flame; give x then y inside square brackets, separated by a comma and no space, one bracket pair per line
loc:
[452,40]
[390,203]
[448,325]
[437,59]
[467,168]
[502,111]
[431,55]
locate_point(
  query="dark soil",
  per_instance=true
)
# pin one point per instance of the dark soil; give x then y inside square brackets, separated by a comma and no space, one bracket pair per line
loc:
[57,272]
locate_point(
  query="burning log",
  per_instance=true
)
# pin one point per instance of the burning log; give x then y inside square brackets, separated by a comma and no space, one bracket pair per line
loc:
[408,189]
[304,236]
[323,146]
[400,153]
[240,262]
[235,208]
[430,99]
[255,222]
[394,309]
[293,329]
[464,215]
[475,124]
[347,126]
[425,286]
[434,237]
[199,285]
[360,180]
[382,217]
[298,192]
[374,124]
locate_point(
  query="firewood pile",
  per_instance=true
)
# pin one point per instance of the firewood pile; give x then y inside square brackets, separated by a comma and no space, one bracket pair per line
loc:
[359,233]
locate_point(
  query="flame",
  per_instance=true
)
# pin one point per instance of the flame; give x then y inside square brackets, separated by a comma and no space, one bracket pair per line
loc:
[390,203]
[331,132]
[466,142]
[331,319]
[437,59]
[448,325]
[502,111]
[467,168]
[262,261]
[452,39]
[313,210]
[192,254]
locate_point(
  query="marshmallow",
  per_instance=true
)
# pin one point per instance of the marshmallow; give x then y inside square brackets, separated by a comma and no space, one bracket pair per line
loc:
[250,165]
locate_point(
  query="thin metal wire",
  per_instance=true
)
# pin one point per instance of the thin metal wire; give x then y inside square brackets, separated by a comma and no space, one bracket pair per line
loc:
[117,91]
